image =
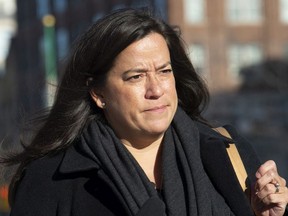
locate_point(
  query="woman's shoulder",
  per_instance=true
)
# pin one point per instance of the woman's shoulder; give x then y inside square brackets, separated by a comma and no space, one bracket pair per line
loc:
[66,164]
[58,184]
[208,132]
[44,190]
[43,167]
[38,175]
[214,143]
[36,187]
[226,132]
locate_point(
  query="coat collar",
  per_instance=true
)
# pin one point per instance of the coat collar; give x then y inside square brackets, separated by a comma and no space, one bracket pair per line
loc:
[208,133]
[75,161]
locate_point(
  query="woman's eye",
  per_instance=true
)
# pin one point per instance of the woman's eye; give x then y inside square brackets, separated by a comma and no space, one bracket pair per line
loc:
[167,71]
[135,77]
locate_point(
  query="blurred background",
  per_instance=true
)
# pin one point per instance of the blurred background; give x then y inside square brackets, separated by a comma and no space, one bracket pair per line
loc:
[240,48]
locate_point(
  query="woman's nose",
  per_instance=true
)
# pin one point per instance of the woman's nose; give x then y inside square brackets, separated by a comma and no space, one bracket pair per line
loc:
[154,89]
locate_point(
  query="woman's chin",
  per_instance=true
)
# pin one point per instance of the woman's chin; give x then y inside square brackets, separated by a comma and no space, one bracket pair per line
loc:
[156,130]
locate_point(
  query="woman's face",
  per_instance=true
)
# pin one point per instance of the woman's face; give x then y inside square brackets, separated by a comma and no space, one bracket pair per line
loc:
[140,95]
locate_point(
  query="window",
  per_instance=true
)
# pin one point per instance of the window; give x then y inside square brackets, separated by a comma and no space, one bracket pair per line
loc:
[197,56]
[42,8]
[161,8]
[244,11]
[6,33]
[7,8]
[240,55]
[60,5]
[97,16]
[118,6]
[75,3]
[194,11]
[285,51]
[7,29]
[62,42]
[140,3]
[2,67]
[283,11]
[4,43]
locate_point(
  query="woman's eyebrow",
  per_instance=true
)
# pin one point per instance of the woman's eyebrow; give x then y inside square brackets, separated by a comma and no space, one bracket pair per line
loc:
[143,70]
[163,65]
[137,70]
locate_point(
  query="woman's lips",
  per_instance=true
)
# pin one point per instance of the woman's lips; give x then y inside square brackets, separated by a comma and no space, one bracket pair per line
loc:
[157,109]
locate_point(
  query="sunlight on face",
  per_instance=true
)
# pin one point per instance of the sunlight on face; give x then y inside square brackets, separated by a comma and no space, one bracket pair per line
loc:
[140,93]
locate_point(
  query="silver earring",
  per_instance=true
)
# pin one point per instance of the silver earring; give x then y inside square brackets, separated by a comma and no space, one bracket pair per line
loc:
[103,105]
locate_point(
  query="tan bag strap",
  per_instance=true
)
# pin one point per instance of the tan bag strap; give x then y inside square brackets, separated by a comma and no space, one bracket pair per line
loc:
[235,159]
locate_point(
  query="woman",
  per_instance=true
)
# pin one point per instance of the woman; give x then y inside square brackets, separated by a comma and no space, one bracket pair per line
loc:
[126,136]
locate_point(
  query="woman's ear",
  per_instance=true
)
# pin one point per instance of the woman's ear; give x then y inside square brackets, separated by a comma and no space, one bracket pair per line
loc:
[98,98]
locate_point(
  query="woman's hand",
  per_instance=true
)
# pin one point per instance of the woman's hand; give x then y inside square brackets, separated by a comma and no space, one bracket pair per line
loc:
[270,195]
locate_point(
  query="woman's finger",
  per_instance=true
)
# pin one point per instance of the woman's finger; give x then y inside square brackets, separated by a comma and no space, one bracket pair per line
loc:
[279,198]
[264,168]
[270,189]
[267,174]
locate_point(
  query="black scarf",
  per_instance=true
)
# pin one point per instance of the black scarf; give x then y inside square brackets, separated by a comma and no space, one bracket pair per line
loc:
[186,188]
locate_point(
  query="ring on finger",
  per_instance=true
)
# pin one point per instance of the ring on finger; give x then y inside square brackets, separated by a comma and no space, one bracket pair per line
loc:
[277,187]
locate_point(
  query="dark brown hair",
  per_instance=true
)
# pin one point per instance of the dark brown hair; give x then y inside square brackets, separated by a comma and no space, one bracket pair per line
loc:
[91,59]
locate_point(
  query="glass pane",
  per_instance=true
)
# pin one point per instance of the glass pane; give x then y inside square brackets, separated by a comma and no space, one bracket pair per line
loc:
[242,55]
[197,56]
[194,11]
[62,42]
[60,5]
[42,8]
[244,11]
[284,11]
[285,51]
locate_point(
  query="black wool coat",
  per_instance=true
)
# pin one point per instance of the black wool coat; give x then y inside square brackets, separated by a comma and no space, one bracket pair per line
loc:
[68,185]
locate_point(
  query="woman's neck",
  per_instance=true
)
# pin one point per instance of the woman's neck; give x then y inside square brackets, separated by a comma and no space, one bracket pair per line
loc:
[149,159]
[142,144]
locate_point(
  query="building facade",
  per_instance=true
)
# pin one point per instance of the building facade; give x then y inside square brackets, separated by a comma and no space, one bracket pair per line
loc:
[224,35]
